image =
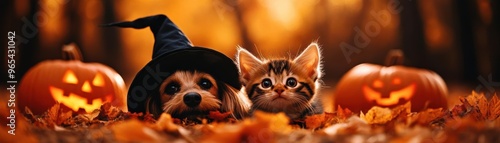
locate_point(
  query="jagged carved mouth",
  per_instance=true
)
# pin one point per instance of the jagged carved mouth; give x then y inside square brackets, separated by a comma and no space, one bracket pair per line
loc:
[75,102]
[394,97]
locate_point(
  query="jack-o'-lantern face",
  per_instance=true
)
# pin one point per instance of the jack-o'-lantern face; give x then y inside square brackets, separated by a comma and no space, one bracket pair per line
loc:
[77,86]
[368,85]
[383,95]
[76,101]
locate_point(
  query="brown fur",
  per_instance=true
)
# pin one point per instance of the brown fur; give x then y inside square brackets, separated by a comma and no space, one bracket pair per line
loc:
[296,100]
[220,97]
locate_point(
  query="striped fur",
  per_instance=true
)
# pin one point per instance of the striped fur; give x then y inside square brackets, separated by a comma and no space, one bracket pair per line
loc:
[283,85]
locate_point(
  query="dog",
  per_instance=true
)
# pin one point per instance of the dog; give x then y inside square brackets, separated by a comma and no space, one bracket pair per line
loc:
[187,94]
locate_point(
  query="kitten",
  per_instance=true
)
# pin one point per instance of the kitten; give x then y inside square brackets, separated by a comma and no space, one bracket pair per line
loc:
[191,94]
[283,85]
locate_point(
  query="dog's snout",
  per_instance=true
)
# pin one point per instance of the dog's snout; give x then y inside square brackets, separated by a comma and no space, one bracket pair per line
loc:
[192,99]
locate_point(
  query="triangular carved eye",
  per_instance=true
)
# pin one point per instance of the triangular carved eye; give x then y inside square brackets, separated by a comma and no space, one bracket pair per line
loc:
[98,80]
[70,77]
[378,84]
[396,81]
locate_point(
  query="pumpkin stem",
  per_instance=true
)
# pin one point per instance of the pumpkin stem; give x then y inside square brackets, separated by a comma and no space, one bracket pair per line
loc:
[71,52]
[395,57]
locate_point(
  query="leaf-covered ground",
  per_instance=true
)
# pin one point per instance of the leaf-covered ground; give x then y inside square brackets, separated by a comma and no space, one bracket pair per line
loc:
[474,119]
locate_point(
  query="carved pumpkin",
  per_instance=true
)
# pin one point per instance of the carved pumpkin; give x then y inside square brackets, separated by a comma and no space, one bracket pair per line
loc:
[368,85]
[78,86]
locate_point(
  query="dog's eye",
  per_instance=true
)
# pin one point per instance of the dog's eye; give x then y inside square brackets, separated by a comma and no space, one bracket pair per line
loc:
[291,82]
[172,88]
[205,84]
[266,83]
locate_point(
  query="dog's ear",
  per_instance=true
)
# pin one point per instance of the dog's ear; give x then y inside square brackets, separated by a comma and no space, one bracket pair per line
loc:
[153,106]
[233,101]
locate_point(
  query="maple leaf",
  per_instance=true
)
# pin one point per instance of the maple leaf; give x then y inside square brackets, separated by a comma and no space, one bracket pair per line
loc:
[29,114]
[134,131]
[427,116]
[276,122]
[262,127]
[353,125]
[166,123]
[477,106]
[343,113]
[377,115]
[108,112]
[224,133]
[56,116]
[315,121]
[218,116]
[149,118]
[402,111]
[480,104]
[399,118]
[91,116]
[493,108]
[462,109]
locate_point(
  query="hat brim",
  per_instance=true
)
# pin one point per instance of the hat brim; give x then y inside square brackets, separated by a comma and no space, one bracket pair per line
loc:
[148,80]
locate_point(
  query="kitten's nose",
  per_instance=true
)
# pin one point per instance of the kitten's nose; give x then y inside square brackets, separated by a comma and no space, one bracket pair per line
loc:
[192,99]
[279,91]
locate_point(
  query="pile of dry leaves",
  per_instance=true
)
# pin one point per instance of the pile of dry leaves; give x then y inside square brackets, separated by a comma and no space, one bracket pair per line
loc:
[475,119]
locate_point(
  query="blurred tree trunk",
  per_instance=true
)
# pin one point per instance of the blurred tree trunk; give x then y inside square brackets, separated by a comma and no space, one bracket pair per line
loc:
[27,52]
[494,40]
[6,13]
[75,26]
[467,14]
[113,44]
[239,10]
[412,35]
[109,51]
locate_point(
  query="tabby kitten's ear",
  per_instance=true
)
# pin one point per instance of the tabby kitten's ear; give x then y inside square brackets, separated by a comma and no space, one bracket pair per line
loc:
[310,59]
[246,63]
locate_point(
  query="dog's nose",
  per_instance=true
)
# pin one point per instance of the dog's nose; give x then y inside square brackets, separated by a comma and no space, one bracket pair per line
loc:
[192,99]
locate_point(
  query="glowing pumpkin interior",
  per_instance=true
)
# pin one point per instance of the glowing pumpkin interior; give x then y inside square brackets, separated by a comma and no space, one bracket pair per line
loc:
[75,101]
[78,86]
[392,97]
[367,85]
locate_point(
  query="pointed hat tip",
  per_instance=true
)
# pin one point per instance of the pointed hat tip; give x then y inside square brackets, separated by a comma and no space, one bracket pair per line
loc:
[168,37]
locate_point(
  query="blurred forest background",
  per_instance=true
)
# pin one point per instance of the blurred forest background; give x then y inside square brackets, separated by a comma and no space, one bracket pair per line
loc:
[459,40]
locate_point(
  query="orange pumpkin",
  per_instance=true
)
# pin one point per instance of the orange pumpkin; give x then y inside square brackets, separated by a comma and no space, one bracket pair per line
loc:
[78,86]
[368,85]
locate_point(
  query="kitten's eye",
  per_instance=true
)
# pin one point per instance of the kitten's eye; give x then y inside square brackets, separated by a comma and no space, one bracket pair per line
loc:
[205,84]
[266,83]
[172,88]
[291,82]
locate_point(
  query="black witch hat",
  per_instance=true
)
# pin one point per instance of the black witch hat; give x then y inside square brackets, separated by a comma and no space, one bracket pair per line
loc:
[173,51]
